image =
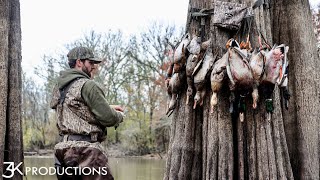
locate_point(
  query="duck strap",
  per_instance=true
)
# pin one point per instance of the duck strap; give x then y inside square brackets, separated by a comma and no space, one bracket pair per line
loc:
[265,42]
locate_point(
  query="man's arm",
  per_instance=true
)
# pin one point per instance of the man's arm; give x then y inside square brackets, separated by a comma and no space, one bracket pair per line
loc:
[95,99]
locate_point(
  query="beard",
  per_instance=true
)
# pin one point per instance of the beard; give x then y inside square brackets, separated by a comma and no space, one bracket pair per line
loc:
[85,70]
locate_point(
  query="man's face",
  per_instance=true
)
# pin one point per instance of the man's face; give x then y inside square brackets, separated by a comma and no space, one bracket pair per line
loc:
[88,67]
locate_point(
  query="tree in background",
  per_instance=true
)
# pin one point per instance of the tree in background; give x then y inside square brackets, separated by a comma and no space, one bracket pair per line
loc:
[149,55]
[316,23]
[10,102]
[39,129]
[126,79]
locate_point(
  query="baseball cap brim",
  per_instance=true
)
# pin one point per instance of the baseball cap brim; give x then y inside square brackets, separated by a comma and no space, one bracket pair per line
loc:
[97,61]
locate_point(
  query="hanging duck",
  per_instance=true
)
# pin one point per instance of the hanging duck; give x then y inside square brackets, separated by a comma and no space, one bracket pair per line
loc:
[181,54]
[217,76]
[200,76]
[169,74]
[174,88]
[275,72]
[235,65]
[257,64]
[197,51]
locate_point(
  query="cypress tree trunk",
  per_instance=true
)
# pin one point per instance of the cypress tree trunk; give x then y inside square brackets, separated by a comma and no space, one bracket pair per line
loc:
[184,157]
[262,151]
[10,74]
[4,51]
[292,25]
[256,148]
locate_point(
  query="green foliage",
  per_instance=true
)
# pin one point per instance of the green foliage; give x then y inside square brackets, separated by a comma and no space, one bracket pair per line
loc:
[35,138]
[135,137]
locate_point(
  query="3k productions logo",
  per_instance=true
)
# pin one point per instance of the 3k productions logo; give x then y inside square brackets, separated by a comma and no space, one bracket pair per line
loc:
[11,168]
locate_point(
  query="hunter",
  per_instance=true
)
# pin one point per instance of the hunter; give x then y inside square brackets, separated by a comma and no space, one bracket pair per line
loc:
[83,114]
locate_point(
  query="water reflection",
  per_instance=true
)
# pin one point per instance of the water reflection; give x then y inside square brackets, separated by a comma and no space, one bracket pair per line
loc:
[122,168]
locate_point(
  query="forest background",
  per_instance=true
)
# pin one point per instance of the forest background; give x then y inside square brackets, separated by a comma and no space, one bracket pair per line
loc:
[132,74]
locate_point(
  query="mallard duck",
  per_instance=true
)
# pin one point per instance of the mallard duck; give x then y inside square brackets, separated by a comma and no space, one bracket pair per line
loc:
[240,76]
[275,63]
[240,68]
[266,66]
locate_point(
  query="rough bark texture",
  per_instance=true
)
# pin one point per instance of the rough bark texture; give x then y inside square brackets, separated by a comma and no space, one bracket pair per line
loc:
[4,51]
[10,74]
[184,153]
[14,128]
[262,147]
[256,148]
[302,119]
[185,150]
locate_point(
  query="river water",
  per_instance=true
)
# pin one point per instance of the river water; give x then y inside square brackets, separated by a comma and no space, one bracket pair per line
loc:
[122,168]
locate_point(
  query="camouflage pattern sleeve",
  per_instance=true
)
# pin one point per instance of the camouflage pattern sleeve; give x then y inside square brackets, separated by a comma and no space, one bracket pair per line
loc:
[95,99]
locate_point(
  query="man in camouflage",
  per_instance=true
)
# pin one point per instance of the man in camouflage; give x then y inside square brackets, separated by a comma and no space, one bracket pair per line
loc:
[82,117]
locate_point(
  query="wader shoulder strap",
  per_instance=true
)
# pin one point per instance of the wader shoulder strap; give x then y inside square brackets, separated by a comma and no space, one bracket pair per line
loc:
[63,91]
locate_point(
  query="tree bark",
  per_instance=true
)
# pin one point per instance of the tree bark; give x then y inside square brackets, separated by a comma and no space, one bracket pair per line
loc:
[184,157]
[184,152]
[10,63]
[4,51]
[292,25]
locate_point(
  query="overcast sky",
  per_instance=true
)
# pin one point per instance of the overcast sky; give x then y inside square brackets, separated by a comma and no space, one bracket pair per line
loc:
[47,25]
[314,3]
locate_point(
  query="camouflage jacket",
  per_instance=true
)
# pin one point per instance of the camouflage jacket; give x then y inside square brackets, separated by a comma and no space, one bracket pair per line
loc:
[84,109]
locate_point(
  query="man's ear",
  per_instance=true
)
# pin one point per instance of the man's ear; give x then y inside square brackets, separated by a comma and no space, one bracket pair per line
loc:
[78,63]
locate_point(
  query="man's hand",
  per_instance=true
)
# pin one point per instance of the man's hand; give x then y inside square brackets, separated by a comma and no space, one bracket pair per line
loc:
[117,108]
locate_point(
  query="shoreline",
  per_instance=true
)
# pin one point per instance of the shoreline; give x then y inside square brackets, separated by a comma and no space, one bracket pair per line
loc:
[49,154]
